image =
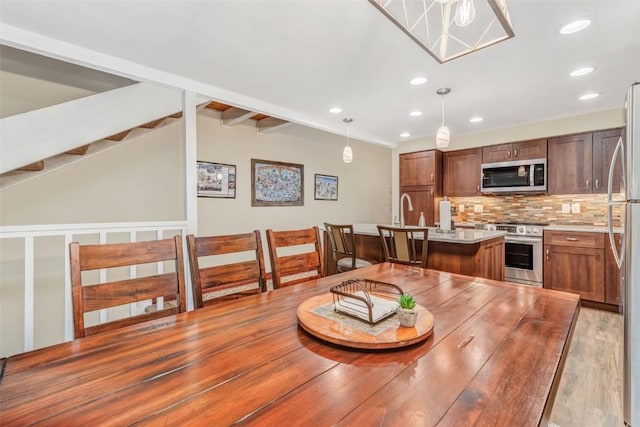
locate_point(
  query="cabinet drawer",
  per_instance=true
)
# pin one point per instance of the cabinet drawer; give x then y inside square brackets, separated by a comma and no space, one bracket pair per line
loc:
[572,238]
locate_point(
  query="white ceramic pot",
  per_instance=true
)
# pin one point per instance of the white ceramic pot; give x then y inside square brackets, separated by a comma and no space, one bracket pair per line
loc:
[407,317]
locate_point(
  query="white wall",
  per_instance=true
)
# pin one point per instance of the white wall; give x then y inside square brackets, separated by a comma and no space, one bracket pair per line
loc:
[364,186]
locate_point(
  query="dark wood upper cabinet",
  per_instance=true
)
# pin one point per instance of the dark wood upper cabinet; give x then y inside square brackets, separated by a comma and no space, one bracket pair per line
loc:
[570,164]
[420,168]
[461,172]
[604,144]
[579,164]
[523,150]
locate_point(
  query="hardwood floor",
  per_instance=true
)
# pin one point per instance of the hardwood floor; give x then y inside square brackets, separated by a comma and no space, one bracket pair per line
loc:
[590,390]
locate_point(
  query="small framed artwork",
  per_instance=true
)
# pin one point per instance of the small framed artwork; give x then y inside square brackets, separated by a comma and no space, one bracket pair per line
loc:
[216,180]
[326,187]
[276,183]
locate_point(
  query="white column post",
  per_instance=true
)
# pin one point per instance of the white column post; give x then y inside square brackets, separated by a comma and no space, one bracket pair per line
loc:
[189,118]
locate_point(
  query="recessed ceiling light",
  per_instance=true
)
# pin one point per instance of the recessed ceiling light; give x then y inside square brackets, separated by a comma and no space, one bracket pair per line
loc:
[581,71]
[335,110]
[415,113]
[405,134]
[418,81]
[588,96]
[575,26]
[476,119]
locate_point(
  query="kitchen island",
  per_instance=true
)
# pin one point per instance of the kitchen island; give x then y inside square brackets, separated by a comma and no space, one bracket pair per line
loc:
[478,253]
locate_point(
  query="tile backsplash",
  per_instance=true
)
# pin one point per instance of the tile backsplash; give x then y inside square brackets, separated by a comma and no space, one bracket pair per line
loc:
[535,208]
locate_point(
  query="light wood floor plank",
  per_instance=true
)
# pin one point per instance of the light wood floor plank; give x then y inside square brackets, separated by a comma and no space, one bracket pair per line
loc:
[590,390]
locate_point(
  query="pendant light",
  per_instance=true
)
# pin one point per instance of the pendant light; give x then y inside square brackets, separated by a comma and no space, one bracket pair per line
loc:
[443,135]
[347,153]
[465,13]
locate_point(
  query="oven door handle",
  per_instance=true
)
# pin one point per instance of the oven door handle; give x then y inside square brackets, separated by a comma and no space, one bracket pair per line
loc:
[521,240]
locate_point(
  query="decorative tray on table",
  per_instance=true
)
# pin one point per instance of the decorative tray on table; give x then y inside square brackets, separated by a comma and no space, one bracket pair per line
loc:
[355,298]
[361,314]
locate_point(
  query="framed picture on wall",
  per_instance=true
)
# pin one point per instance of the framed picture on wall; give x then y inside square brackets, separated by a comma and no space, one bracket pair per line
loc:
[326,187]
[216,180]
[276,183]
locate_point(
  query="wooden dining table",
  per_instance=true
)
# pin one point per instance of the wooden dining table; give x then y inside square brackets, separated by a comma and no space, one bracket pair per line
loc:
[494,358]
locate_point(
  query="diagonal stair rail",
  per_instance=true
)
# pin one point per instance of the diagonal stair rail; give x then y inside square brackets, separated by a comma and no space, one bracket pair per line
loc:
[30,137]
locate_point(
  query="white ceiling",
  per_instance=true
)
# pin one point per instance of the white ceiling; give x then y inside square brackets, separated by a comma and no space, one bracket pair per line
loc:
[294,59]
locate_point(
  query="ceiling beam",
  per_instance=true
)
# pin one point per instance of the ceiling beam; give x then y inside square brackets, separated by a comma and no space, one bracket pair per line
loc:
[232,116]
[271,124]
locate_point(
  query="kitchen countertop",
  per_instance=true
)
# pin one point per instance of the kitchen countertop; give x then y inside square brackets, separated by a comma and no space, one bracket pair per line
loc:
[582,228]
[464,236]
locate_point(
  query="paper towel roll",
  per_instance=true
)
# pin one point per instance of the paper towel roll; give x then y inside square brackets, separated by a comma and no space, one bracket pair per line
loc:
[445,215]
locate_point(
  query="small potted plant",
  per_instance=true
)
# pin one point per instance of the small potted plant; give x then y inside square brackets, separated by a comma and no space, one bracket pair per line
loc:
[406,312]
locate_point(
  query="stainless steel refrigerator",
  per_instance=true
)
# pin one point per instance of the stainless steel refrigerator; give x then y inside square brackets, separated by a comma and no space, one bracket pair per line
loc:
[627,156]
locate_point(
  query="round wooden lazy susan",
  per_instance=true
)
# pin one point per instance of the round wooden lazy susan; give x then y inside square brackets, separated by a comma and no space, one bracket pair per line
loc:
[315,316]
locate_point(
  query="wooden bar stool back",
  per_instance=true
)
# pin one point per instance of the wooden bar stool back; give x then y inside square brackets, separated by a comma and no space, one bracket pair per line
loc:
[343,245]
[290,264]
[404,245]
[243,275]
[157,287]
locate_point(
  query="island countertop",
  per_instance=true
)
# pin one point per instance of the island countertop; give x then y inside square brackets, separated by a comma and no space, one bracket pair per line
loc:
[464,236]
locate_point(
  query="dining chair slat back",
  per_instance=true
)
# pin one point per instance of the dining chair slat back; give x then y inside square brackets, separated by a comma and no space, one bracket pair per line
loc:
[291,268]
[404,245]
[234,279]
[343,246]
[170,286]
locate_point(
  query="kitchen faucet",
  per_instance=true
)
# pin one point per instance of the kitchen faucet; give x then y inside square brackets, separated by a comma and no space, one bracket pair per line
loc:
[402,208]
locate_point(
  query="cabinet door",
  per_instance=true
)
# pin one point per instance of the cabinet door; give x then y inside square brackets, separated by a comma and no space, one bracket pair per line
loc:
[575,269]
[461,170]
[535,149]
[612,274]
[418,168]
[423,201]
[497,153]
[570,164]
[604,144]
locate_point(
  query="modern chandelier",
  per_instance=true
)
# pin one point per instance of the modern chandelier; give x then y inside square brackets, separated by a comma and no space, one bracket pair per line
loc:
[449,29]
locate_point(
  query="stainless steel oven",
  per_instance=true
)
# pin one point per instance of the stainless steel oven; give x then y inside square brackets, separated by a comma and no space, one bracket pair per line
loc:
[522,252]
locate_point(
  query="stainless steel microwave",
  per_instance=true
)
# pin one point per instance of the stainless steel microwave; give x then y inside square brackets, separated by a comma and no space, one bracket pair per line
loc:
[522,176]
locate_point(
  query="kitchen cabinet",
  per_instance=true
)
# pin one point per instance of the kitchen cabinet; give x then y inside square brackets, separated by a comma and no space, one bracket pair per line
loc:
[420,168]
[423,200]
[570,164]
[579,164]
[575,262]
[604,144]
[461,172]
[421,178]
[612,272]
[523,150]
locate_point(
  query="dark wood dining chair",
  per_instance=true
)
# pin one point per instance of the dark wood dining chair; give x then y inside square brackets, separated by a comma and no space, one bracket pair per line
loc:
[342,240]
[221,282]
[404,245]
[97,296]
[290,262]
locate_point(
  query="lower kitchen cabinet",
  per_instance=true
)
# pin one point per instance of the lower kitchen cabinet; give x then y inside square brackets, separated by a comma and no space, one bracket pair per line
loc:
[583,263]
[612,273]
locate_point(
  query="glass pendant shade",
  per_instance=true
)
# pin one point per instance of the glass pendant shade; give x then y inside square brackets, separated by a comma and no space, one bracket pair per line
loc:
[465,13]
[347,154]
[442,137]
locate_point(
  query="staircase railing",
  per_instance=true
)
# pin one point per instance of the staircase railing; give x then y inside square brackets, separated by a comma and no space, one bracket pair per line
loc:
[36,258]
